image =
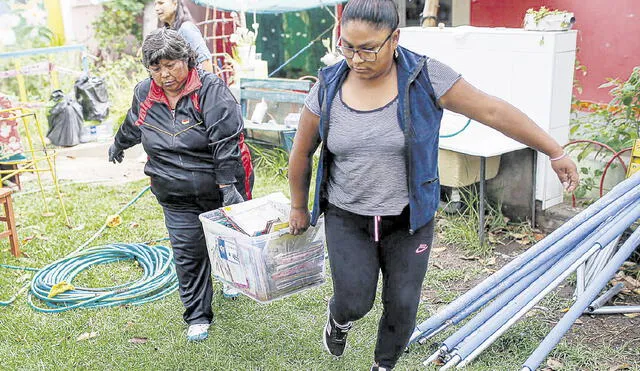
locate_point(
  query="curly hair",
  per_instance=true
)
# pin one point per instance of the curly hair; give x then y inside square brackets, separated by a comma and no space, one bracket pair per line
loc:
[165,43]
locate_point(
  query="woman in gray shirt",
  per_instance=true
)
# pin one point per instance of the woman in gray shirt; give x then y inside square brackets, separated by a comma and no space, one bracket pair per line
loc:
[377,116]
[173,14]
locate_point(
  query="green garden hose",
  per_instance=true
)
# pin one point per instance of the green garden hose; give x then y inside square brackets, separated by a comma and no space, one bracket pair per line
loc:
[159,278]
[19,268]
[22,289]
[106,224]
[457,132]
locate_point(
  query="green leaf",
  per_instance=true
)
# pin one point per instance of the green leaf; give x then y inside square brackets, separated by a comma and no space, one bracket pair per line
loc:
[582,155]
[573,129]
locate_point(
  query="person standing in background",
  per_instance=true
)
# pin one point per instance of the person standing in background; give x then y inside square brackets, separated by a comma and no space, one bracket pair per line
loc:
[173,14]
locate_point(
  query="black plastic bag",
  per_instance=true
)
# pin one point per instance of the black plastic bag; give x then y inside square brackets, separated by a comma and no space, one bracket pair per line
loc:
[65,120]
[91,93]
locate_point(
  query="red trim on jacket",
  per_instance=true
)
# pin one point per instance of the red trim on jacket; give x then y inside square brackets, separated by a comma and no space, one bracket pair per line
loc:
[245,155]
[195,99]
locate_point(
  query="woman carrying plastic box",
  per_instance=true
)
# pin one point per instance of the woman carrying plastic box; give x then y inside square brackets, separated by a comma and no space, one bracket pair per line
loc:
[190,126]
[377,115]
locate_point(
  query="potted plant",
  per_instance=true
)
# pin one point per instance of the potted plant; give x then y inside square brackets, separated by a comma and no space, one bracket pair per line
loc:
[545,19]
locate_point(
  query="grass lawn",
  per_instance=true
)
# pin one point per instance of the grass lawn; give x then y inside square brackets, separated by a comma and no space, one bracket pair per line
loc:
[283,335]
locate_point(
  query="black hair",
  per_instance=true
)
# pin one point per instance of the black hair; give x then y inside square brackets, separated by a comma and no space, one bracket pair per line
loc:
[379,13]
[182,15]
[165,43]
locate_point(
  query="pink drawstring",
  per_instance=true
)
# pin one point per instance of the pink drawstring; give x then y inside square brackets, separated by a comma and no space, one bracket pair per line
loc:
[376,228]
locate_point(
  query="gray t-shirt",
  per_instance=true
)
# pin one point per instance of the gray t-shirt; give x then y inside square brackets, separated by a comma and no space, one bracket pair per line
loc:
[193,37]
[368,172]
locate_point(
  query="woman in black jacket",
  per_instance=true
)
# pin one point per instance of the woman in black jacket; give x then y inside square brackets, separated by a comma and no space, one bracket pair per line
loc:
[190,126]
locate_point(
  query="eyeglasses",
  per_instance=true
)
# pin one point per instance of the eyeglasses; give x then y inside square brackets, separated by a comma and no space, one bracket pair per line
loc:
[366,55]
[172,67]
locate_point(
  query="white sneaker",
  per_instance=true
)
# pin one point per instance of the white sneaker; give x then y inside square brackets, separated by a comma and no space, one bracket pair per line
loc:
[229,292]
[198,332]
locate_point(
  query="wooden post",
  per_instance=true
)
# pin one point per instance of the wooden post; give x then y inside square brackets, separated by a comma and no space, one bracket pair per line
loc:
[430,13]
[402,12]
[5,199]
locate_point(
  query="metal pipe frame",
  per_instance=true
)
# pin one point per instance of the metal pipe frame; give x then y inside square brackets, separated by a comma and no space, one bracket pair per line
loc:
[578,227]
[508,315]
[604,298]
[600,281]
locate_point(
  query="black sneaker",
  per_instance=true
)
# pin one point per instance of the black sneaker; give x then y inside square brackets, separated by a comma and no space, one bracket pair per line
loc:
[335,335]
[379,368]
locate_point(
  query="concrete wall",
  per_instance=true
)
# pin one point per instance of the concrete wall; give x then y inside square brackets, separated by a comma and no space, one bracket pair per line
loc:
[512,186]
[78,15]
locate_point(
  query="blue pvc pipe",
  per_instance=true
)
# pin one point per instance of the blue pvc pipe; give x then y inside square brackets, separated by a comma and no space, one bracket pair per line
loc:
[488,313]
[583,301]
[578,227]
[608,231]
[604,298]
[528,269]
[500,302]
[546,258]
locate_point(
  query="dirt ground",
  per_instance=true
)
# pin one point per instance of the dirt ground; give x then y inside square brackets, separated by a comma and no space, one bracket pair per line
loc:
[87,163]
[616,330]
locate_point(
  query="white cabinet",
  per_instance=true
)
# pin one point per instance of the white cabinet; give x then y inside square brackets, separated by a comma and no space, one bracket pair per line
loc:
[532,70]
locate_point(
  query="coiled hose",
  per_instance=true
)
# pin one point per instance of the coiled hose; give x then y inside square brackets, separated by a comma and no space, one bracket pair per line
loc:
[158,280]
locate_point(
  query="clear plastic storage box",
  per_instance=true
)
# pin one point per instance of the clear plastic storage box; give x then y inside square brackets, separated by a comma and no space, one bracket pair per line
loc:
[269,266]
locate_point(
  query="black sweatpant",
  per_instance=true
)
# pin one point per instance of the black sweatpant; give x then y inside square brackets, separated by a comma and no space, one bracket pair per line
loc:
[190,256]
[358,251]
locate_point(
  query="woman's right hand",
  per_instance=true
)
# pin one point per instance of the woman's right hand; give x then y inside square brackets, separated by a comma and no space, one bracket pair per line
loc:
[299,220]
[115,153]
[305,144]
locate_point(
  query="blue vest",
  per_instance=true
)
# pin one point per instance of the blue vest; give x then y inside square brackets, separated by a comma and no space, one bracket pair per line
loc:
[419,117]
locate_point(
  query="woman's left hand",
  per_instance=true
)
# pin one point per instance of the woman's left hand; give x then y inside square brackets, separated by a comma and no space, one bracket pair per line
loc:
[567,172]
[230,195]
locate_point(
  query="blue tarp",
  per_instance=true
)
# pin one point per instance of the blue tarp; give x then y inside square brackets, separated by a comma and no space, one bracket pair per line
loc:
[266,6]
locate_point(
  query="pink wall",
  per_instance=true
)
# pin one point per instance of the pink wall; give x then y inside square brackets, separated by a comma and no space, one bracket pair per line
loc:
[608,35]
